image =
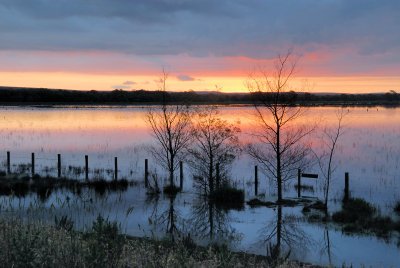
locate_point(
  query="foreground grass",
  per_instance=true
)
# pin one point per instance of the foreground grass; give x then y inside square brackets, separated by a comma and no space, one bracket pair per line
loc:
[36,244]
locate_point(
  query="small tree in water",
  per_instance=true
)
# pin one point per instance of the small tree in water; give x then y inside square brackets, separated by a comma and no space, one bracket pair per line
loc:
[215,142]
[279,150]
[171,129]
[325,160]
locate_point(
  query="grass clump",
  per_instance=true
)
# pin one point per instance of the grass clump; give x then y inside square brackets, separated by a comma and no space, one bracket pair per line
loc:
[359,216]
[227,196]
[171,189]
[353,210]
[397,208]
[45,185]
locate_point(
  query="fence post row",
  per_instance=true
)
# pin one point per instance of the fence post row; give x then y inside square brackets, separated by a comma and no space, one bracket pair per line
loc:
[146,174]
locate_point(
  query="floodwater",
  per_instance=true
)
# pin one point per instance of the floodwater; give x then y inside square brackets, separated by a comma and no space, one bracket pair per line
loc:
[369,149]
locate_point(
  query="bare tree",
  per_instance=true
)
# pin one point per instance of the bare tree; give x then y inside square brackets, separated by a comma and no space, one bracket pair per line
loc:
[170,128]
[279,149]
[325,160]
[215,141]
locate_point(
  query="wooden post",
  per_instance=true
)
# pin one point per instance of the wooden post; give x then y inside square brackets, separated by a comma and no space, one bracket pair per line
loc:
[298,183]
[8,163]
[146,173]
[33,164]
[87,167]
[346,186]
[180,175]
[116,168]
[59,165]
[217,171]
[255,180]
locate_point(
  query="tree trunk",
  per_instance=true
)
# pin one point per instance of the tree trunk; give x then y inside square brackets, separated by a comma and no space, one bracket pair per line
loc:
[278,162]
[171,172]
[210,175]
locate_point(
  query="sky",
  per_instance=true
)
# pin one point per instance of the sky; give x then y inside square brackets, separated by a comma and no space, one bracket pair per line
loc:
[350,46]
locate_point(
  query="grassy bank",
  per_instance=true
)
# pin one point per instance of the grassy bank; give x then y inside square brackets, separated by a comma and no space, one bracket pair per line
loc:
[35,244]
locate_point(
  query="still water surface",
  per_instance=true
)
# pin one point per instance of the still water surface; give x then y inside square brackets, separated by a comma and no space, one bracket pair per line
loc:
[369,150]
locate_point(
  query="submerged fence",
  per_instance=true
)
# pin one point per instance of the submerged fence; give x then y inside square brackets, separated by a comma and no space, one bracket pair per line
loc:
[146,173]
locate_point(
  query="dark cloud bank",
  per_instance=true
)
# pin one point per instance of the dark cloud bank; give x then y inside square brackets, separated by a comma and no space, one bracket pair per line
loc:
[200,28]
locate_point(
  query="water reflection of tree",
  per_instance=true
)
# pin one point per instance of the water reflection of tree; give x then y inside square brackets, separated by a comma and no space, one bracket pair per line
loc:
[169,219]
[284,235]
[209,222]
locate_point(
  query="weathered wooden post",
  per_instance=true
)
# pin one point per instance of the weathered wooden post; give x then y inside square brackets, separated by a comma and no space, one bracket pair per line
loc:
[255,180]
[8,163]
[87,167]
[217,171]
[146,173]
[346,186]
[59,165]
[298,183]
[33,164]
[116,168]
[180,175]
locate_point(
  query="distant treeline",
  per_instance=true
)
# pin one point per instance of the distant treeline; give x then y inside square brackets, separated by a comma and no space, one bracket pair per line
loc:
[16,96]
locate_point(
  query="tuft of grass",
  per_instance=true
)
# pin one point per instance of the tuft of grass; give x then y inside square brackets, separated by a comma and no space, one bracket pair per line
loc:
[353,210]
[397,208]
[171,190]
[228,197]
[357,215]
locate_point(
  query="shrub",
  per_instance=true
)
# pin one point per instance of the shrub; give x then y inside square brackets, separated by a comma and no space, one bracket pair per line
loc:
[171,189]
[354,209]
[397,208]
[227,196]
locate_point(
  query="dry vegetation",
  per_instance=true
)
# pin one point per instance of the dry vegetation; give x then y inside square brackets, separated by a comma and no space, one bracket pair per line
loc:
[34,244]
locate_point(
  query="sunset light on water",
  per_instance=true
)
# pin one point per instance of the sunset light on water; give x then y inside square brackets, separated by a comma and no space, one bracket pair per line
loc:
[178,133]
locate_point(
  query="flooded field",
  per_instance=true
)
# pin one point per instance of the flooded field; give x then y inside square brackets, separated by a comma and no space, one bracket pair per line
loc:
[369,151]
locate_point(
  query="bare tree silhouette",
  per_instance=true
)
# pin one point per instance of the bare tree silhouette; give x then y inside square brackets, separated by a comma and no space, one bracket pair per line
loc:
[215,141]
[325,160]
[170,128]
[279,149]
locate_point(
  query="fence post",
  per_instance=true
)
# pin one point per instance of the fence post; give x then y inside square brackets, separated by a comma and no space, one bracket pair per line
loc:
[8,163]
[298,182]
[181,175]
[87,167]
[116,168]
[255,180]
[59,165]
[346,186]
[146,173]
[217,171]
[33,164]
